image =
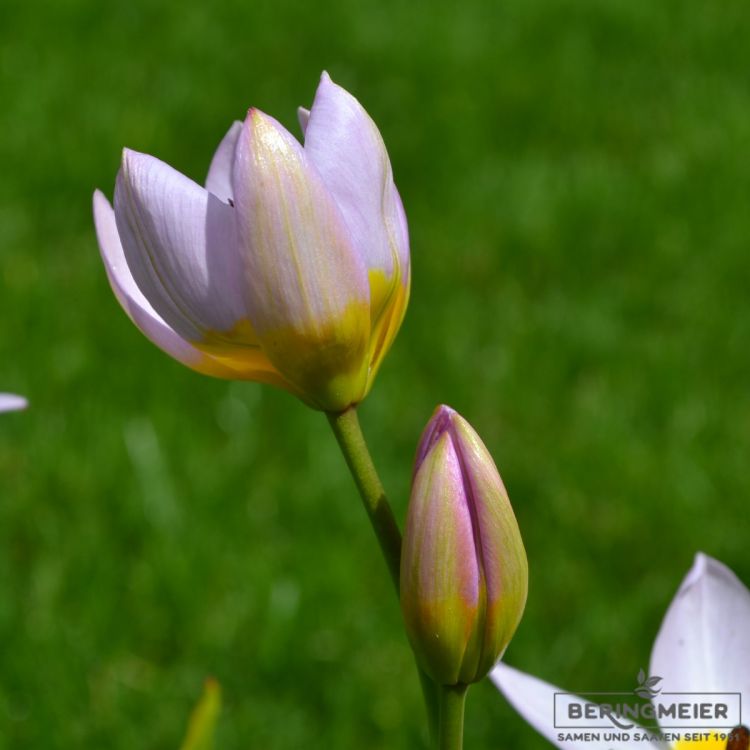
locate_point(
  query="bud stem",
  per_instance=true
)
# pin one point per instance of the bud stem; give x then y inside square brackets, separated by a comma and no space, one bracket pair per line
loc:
[345,426]
[451,723]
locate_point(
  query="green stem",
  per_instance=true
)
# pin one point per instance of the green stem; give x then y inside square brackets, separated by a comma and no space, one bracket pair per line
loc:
[352,443]
[451,721]
[345,426]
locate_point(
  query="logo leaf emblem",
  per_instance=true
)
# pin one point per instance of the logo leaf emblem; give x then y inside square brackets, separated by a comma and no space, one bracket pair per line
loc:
[647,685]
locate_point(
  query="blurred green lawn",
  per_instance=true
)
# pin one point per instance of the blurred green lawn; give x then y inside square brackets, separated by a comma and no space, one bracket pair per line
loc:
[576,176]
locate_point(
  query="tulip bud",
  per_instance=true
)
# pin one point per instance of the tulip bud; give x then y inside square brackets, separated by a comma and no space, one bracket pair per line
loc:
[464,574]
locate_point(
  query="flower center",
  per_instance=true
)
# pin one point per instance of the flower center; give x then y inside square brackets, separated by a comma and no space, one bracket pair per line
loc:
[738,739]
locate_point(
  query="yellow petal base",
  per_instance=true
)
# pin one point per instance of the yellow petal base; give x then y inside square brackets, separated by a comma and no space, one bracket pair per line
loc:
[709,744]
[330,367]
[388,301]
[326,366]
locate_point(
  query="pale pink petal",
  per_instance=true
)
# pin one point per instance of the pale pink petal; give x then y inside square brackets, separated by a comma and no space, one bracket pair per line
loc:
[135,304]
[11,402]
[219,178]
[345,145]
[534,699]
[308,292]
[440,575]
[302,269]
[179,241]
[704,641]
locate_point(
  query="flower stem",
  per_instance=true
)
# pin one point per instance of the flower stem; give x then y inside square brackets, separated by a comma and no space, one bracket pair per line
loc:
[349,435]
[345,426]
[451,721]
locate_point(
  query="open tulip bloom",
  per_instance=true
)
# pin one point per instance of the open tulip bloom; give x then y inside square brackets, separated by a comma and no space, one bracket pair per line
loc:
[11,402]
[291,265]
[703,647]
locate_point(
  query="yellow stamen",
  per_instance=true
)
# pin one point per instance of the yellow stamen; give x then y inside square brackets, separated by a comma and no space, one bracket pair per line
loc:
[713,743]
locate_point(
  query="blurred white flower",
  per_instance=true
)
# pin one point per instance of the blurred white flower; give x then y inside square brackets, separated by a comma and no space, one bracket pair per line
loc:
[703,646]
[11,402]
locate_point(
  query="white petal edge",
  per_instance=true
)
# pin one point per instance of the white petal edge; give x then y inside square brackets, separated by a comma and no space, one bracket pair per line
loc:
[399,229]
[180,245]
[303,117]
[534,700]
[11,402]
[346,146]
[219,178]
[703,644]
[132,301]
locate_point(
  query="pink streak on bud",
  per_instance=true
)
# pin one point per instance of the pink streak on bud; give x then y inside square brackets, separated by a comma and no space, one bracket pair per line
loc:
[438,424]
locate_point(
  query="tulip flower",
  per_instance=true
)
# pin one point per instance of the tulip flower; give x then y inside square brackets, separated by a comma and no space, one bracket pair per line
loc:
[291,265]
[11,402]
[703,646]
[464,574]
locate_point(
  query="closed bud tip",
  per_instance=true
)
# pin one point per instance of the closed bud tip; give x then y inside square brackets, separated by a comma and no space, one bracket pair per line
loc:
[464,575]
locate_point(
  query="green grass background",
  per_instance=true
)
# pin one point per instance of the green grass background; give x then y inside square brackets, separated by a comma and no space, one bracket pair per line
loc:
[576,177]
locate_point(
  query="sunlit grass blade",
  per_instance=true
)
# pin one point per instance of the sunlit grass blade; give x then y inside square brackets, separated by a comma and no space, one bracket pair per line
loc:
[202,723]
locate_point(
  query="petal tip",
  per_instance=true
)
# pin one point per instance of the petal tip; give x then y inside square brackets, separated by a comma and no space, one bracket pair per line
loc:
[303,117]
[699,568]
[701,559]
[102,210]
[99,200]
[443,411]
[12,402]
[440,423]
[131,158]
[257,119]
